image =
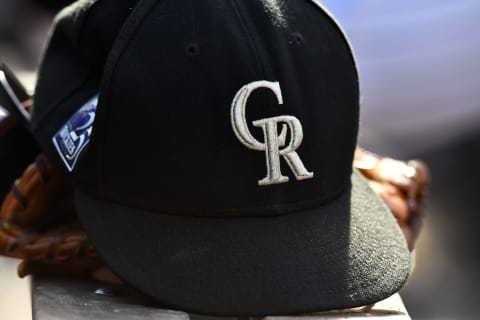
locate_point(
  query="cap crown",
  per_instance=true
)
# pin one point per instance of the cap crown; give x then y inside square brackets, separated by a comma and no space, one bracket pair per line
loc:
[201,101]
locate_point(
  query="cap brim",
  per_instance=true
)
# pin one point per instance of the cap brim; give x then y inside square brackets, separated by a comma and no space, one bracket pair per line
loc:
[345,254]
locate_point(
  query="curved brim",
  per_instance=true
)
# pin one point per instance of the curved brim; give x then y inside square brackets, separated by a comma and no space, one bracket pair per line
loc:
[346,254]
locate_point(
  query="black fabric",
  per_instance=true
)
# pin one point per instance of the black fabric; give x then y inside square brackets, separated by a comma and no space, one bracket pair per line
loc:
[168,194]
[345,254]
[73,63]
[186,125]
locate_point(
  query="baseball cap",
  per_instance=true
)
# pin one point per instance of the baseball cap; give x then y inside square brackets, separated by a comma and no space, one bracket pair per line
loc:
[211,147]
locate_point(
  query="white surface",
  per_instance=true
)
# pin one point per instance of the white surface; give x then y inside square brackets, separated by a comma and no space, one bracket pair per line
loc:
[15,293]
[3,113]
[391,308]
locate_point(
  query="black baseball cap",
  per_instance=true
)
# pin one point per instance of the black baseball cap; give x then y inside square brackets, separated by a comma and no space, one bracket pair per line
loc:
[211,147]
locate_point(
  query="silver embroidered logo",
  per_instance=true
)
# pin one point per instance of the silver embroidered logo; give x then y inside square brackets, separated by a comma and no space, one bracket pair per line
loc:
[275,144]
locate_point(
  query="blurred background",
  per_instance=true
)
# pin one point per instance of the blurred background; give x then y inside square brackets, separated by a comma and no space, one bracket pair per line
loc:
[420,85]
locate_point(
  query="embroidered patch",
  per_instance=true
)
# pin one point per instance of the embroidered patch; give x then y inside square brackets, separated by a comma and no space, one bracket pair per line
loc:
[275,145]
[74,136]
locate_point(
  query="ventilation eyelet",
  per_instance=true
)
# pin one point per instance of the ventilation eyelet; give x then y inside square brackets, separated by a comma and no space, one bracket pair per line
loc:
[192,49]
[297,38]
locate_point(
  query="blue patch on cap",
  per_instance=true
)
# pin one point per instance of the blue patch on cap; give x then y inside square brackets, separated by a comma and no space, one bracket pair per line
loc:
[74,136]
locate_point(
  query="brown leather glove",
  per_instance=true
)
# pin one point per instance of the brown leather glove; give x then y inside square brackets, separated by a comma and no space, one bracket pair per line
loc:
[402,185]
[38,224]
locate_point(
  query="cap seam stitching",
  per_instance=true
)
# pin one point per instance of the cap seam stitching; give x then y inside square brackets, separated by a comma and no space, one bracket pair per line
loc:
[124,37]
[260,65]
[309,204]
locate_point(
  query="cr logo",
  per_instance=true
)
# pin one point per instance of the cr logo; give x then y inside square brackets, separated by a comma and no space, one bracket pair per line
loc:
[275,144]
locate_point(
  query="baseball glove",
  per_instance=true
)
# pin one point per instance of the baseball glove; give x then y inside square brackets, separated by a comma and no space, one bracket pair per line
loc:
[402,185]
[38,222]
